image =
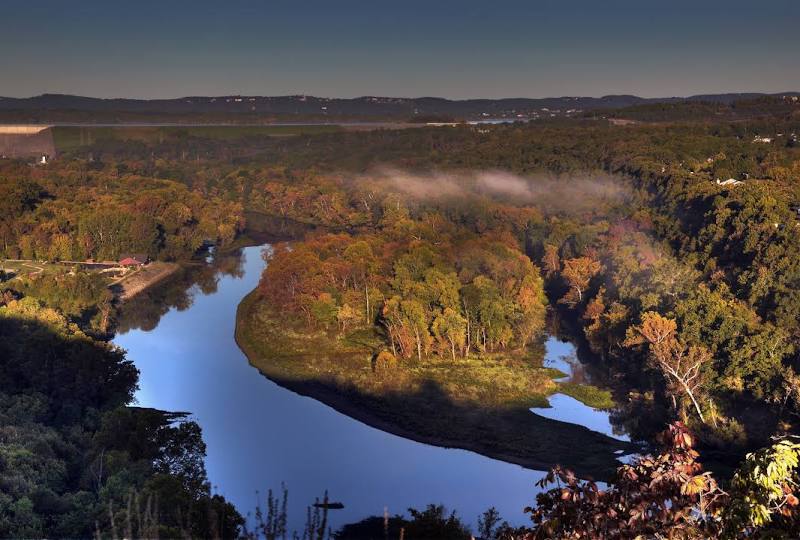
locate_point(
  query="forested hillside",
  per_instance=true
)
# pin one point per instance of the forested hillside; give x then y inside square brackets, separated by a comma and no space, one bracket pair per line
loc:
[84,210]
[718,260]
[76,460]
[671,248]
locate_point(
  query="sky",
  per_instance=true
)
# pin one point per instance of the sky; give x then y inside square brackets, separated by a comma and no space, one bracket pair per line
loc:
[347,48]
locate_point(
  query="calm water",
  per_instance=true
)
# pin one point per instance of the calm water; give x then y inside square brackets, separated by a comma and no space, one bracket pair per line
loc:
[561,355]
[260,435]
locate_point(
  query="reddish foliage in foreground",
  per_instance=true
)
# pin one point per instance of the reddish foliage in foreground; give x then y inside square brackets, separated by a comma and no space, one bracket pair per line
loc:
[668,495]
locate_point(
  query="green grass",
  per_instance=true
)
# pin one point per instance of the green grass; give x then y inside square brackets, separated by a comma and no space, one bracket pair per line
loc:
[24,268]
[72,137]
[594,397]
[554,373]
[496,380]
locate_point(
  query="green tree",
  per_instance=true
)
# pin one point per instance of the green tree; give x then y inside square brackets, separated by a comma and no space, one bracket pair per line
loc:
[449,326]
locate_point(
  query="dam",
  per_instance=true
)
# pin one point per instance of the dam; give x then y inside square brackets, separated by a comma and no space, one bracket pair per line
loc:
[27,141]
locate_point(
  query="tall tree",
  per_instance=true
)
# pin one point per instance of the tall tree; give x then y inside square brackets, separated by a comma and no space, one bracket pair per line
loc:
[678,363]
[578,273]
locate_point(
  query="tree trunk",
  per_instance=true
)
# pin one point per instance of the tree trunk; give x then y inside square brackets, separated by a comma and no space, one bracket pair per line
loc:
[469,335]
[694,401]
[391,339]
[366,295]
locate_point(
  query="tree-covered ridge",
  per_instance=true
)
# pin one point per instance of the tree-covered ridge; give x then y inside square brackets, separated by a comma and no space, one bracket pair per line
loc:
[686,289]
[721,261]
[79,211]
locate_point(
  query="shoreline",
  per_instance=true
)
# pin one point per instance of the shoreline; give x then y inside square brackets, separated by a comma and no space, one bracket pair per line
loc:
[143,279]
[600,469]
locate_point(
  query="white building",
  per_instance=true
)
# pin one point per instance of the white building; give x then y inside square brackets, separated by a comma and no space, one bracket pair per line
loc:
[728,182]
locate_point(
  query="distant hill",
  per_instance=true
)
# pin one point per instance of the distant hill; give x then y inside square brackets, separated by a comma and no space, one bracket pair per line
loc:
[60,107]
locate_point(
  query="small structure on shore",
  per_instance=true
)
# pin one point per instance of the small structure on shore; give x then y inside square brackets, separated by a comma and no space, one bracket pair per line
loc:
[34,142]
[728,182]
[133,259]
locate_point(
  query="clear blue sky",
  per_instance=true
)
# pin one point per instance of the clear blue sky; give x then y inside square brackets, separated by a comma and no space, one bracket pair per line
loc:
[346,48]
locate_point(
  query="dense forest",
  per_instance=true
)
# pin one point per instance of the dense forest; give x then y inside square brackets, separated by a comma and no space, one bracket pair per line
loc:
[84,210]
[672,248]
[77,460]
[717,263]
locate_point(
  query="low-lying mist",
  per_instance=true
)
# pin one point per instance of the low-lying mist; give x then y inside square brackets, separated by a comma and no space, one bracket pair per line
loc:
[552,194]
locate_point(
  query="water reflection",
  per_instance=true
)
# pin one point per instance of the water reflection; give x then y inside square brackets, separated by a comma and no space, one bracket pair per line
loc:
[145,310]
[562,355]
[259,434]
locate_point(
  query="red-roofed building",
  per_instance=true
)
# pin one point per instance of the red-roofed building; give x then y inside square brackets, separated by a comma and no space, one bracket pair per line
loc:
[133,259]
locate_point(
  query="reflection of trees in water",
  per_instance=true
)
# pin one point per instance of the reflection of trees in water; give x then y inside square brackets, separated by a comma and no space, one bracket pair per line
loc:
[146,309]
[636,413]
[578,373]
[587,367]
[640,416]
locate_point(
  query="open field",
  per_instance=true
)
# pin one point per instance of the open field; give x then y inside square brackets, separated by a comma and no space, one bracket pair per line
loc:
[31,267]
[72,137]
[124,286]
[26,141]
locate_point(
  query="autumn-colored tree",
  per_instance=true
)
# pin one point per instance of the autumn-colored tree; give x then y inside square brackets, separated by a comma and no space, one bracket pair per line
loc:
[288,276]
[679,364]
[347,316]
[364,265]
[531,302]
[670,496]
[551,260]
[407,325]
[578,273]
[415,319]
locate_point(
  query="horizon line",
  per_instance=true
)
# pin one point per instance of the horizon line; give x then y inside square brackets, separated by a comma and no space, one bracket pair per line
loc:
[367,96]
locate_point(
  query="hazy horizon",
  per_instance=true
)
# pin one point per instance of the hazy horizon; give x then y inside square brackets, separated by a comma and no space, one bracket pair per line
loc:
[459,50]
[357,96]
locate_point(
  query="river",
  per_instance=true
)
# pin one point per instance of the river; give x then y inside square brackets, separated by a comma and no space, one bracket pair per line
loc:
[260,435]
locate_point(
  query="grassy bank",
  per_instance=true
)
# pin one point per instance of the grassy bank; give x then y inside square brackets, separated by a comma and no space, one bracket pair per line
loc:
[480,404]
[594,397]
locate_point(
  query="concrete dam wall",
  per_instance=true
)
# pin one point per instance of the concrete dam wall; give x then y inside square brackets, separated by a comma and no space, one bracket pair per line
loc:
[26,141]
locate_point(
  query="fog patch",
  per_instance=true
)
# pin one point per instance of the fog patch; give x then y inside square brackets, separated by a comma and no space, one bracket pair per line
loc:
[564,193]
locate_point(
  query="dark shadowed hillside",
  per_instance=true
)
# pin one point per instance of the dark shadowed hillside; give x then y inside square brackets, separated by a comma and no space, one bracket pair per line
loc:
[64,108]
